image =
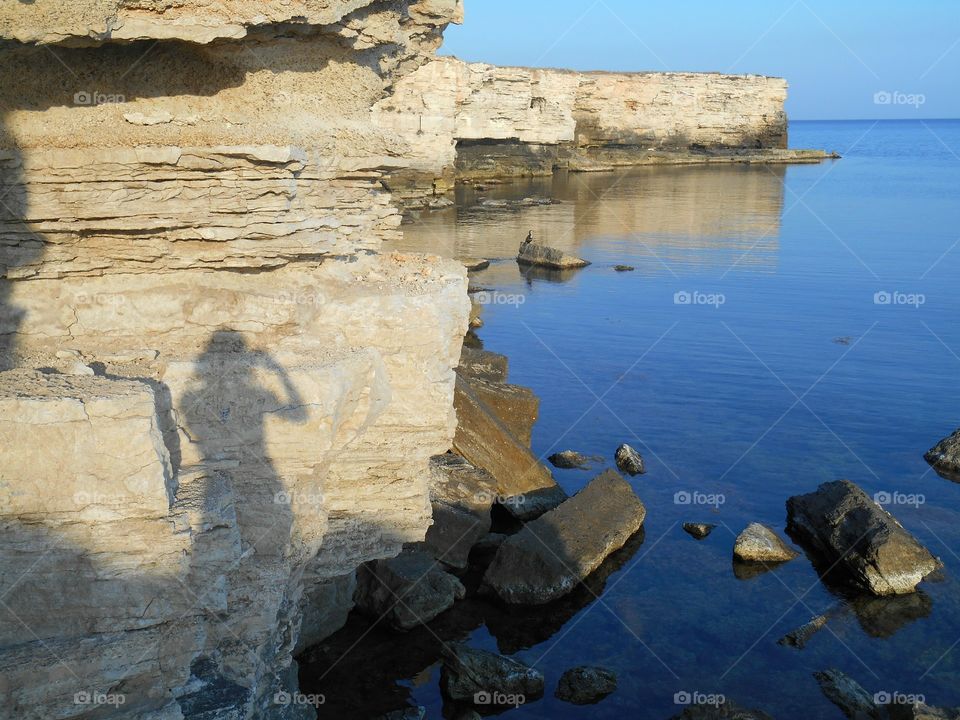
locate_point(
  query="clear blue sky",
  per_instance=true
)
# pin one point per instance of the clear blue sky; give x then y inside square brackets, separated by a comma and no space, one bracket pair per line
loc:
[836,54]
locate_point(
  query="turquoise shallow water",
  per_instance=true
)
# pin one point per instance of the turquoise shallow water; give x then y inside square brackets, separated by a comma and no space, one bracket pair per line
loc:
[783,327]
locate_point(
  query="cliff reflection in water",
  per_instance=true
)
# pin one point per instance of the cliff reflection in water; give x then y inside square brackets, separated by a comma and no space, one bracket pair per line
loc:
[674,216]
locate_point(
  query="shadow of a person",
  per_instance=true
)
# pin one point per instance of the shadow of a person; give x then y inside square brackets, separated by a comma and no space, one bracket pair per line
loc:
[225,416]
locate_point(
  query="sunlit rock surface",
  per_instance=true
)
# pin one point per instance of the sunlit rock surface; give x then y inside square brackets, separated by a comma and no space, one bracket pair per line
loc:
[226,397]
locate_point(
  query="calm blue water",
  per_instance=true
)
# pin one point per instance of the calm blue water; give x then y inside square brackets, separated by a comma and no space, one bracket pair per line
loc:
[797,378]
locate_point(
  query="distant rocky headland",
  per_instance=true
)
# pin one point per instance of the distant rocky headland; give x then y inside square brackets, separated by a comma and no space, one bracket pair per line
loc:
[472,121]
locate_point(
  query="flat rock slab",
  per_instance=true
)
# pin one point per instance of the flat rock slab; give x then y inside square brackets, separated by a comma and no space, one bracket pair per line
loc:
[483,364]
[517,407]
[487,442]
[551,555]
[485,678]
[408,590]
[474,264]
[945,457]
[844,525]
[586,685]
[758,543]
[544,256]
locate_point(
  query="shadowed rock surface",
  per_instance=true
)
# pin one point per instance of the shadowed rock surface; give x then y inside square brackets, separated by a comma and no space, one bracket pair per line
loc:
[408,590]
[858,704]
[468,672]
[569,460]
[586,685]
[550,555]
[840,522]
[698,530]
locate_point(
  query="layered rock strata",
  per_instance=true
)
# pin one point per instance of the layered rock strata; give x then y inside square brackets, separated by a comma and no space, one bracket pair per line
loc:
[475,121]
[226,396]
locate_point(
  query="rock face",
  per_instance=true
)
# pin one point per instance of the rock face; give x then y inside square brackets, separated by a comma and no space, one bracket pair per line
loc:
[945,457]
[552,554]
[569,460]
[841,523]
[473,675]
[586,685]
[408,590]
[543,256]
[492,121]
[858,704]
[199,222]
[758,543]
[698,530]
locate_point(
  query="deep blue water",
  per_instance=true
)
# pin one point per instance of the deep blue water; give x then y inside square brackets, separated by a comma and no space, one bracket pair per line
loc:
[797,378]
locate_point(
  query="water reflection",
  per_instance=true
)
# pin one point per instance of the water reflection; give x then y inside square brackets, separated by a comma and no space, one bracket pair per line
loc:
[677,216]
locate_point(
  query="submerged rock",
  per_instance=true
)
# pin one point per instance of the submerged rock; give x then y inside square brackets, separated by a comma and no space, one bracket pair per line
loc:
[551,555]
[586,685]
[798,638]
[726,710]
[758,543]
[532,253]
[840,522]
[945,457]
[858,704]
[624,268]
[698,530]
[629,460]
[569,460]
[408,590]
[485,678]
[474,264]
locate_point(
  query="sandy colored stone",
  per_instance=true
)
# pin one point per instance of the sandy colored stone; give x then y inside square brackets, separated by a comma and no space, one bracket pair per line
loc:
[551,555]
[758,543]
[548,257]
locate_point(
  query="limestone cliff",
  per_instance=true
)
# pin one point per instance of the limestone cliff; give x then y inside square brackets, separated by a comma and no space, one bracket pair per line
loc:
[472,120]
[223,397]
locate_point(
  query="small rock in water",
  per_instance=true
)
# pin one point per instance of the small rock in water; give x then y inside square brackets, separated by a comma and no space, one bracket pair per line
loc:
[629,461]
[586,685]
[624,268]
[474,264]
[569,459]
[758,543]
[699,530]
[531,253]
[798,638]
[721,709]
[485,678]
[845,340]
[945,457]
